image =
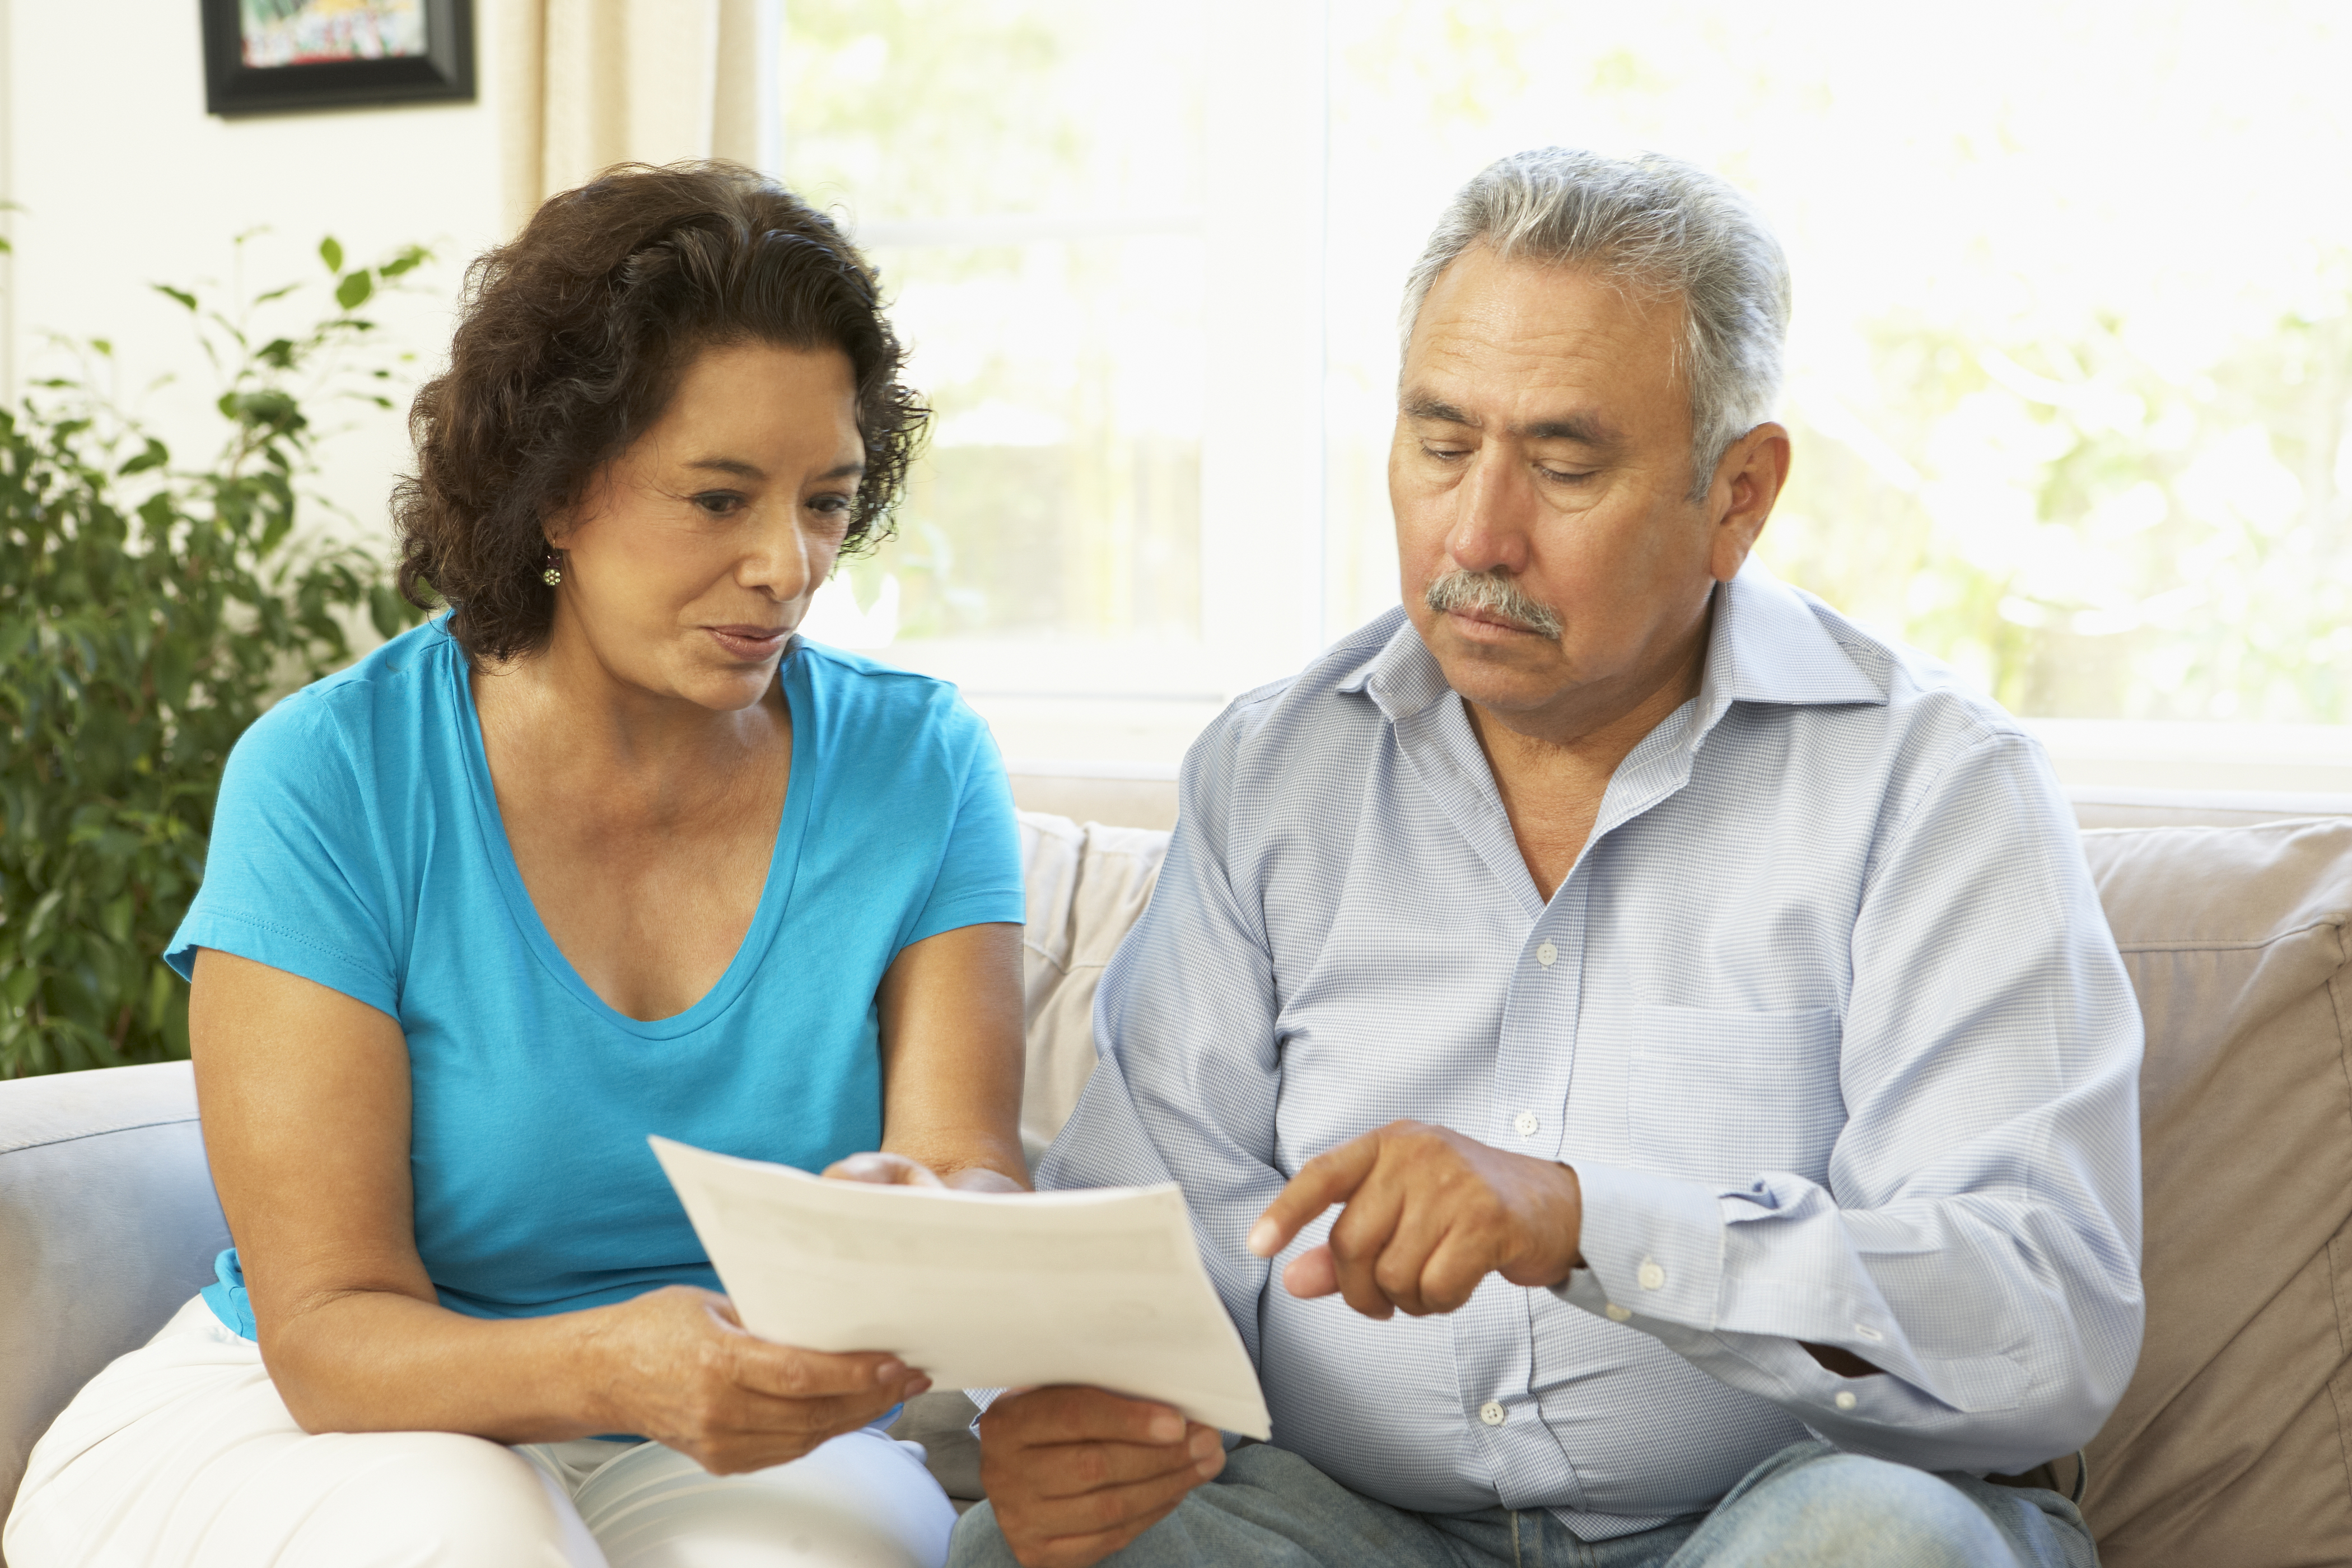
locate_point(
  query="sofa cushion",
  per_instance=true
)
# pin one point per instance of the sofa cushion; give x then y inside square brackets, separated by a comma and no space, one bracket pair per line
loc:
[1087,884]
[2231,1443]
[109,1225]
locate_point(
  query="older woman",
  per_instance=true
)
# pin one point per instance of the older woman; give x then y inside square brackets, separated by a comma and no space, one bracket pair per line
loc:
[603,852]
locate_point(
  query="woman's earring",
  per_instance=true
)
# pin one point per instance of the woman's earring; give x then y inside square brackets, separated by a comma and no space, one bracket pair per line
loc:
[554,572]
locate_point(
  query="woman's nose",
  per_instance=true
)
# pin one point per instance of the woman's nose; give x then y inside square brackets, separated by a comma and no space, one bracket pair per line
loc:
[779,564]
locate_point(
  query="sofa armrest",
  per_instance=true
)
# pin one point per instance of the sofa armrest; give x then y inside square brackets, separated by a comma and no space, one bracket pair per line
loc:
[109,1225]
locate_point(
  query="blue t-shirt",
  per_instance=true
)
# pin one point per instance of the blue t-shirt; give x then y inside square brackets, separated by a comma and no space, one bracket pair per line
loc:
[357,843]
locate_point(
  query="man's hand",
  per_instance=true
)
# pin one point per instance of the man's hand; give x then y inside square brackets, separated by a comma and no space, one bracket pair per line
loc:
[1074,1474]
[1430,1214]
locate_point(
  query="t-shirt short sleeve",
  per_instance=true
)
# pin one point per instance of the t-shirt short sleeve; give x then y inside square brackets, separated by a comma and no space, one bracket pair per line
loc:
[979,879]
[291,880]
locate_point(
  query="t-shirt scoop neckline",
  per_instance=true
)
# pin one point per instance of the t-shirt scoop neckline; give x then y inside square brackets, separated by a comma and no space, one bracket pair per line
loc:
[775,893]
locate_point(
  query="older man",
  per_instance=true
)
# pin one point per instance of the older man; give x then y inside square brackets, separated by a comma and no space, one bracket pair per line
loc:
[1699,1005]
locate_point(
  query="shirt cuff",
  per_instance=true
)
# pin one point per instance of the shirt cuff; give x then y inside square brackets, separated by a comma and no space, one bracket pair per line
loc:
[1652,1247]
[982,1398]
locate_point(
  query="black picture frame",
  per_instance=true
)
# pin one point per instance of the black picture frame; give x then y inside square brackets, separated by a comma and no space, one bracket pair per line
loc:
[444,73]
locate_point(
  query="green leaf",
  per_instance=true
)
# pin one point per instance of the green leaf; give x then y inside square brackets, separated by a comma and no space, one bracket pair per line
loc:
[154,456]
[331,253]
[186,299]
[385,611]
[40,915]
[354,290]
[160,982]
[269,410]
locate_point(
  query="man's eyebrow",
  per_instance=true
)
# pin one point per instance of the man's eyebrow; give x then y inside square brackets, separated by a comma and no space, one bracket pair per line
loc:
[1585,429]
[1424,405]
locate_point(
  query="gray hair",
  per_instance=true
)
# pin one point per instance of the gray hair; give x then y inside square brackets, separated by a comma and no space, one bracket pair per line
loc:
[1661,227]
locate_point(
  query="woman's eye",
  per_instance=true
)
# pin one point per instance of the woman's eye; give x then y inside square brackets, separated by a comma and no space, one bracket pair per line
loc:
[833,508]
[717,503]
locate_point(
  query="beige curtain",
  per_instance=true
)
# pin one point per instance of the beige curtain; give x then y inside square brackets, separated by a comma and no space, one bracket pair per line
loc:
[583,84]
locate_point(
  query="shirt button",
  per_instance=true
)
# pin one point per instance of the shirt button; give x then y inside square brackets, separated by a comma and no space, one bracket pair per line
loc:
[1846,1402]
[1651,1276]
[1618,1314]
[1526,1123]
[1547,954]
[1491,1413]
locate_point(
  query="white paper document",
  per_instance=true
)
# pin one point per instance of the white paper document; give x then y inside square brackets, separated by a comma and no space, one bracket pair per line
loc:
[978,1289]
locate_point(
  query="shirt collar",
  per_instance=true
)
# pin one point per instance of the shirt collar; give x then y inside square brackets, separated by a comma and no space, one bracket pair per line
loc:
[1766,646]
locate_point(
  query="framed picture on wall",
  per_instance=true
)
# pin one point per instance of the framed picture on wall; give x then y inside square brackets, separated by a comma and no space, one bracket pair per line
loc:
[263,56]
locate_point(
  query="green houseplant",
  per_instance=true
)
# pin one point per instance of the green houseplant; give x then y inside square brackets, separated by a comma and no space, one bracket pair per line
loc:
[149,611]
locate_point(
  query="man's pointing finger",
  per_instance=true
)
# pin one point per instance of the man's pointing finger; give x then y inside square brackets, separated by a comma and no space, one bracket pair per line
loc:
[1326,1179]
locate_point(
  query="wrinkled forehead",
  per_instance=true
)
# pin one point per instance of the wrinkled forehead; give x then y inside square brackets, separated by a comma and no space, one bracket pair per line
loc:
[1521,339]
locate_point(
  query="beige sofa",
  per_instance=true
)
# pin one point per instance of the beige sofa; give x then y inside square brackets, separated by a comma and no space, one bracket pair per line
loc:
[2232,1447]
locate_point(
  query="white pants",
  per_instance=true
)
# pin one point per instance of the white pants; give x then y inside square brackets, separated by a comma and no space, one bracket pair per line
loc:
[181,1455]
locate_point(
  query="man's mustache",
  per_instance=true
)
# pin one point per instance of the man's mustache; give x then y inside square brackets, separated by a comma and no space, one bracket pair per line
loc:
[1493,594]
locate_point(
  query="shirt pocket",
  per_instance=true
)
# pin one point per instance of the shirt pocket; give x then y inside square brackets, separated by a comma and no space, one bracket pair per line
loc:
[1724,1097]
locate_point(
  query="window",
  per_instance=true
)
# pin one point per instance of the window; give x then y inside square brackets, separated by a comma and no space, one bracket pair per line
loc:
[1034,202]
[2071,373]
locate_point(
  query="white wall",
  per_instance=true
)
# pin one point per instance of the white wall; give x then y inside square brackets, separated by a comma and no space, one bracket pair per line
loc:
[123,180]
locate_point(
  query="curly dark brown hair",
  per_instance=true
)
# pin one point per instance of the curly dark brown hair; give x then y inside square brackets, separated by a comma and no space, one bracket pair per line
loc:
[571,341]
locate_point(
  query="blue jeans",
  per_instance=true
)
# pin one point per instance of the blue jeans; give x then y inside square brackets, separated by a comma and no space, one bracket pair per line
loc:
[1805,1507]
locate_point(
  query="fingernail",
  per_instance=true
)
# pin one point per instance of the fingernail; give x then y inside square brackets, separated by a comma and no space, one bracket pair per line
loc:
[920,1385]
[1264,1238]
[890,1371]
[1205,1443]
[1215,1462]
[1166,1427]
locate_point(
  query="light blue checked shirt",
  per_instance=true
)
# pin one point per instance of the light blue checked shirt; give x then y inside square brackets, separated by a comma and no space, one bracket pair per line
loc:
[1827,1019]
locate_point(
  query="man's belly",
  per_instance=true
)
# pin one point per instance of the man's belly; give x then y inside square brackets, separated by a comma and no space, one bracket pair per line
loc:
[1595,1417]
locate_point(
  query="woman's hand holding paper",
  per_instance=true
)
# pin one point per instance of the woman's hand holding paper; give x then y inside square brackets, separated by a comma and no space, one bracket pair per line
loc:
[883,1168]
[681,1369]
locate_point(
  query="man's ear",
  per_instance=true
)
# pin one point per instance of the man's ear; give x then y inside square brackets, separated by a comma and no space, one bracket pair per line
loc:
[1747,482]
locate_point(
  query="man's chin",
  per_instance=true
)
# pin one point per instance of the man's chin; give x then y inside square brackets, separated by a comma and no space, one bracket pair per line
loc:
[1524,673]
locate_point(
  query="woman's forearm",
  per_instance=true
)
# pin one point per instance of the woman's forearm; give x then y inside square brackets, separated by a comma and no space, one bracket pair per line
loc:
[378,1360]
[673,1364]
